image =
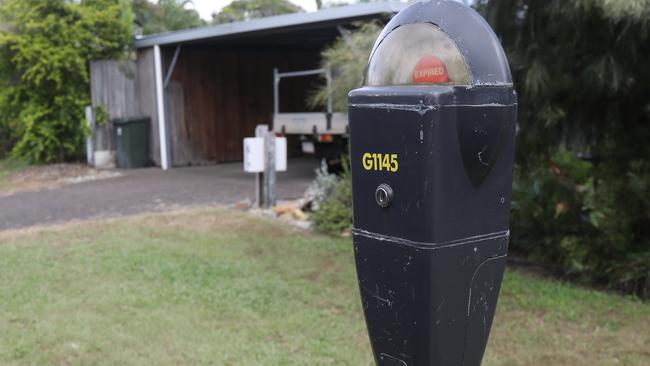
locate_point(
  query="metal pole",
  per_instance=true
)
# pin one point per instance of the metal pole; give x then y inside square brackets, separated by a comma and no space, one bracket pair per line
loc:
[269,170]
[160,105]
[90,150]
[260,131]
[172,66]
[328,77]
[276,97]
[259,189]
[292,74]
[277,76]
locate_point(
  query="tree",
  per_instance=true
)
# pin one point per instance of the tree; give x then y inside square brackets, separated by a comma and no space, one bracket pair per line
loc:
[45,47]
[165,16]
[240,10]
[580,68]
[346,59]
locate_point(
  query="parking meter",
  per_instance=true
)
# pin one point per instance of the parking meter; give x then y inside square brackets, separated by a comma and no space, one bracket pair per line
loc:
[432,138]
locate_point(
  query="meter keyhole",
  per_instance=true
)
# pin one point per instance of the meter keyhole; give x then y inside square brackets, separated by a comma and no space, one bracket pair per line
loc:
[384,195]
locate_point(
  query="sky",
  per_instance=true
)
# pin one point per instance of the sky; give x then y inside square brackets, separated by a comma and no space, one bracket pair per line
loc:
[207,7]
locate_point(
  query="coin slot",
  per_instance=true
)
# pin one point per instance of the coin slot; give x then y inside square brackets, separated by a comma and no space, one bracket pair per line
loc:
[384,195]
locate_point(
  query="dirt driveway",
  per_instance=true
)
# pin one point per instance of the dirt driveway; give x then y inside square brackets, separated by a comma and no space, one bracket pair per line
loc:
[144,190]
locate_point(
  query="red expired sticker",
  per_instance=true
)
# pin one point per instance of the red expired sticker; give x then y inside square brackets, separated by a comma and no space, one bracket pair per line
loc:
[430,70]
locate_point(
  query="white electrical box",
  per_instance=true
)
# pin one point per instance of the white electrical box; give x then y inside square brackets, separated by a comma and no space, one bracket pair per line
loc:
[254,159]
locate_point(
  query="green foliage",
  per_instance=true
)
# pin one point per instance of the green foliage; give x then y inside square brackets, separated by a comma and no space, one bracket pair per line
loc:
[579,70]
[346,59]
[334,216]
[239,10]
[592,228]
[101,115]
[619,210]
[45,47]
[165,16]
[547,211]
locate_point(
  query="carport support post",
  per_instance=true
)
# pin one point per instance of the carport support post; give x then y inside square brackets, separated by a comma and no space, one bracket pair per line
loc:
[160,106]
[269,170]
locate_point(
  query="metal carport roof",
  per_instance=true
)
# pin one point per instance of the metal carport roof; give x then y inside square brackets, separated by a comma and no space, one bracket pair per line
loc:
[291,22]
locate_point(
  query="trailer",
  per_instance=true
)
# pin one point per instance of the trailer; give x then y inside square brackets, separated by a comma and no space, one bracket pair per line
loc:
[323,134]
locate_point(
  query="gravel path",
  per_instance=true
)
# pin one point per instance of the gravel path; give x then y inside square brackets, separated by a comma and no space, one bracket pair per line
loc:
[147,190]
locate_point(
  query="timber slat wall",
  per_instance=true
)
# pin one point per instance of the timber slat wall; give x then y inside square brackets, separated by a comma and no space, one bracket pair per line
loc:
[112,88]
[125,89]
[217,97]
[146,99]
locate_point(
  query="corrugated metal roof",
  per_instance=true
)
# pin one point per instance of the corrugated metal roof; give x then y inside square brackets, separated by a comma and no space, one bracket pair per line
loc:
[294,21]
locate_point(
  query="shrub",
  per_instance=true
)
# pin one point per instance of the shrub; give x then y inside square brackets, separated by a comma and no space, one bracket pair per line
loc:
[321,187]
[334,214]
[45,47]
[586,220]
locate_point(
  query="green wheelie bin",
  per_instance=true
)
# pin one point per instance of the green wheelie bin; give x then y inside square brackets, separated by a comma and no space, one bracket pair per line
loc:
[132,141]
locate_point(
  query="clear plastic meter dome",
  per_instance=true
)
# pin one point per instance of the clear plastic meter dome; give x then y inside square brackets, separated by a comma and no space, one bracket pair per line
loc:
[417,53]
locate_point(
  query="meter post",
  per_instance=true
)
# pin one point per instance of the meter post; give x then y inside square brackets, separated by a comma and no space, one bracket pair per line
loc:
[269,169]
[432,139]
[260,131]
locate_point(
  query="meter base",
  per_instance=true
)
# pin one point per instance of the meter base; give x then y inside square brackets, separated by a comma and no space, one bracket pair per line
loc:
[415,312]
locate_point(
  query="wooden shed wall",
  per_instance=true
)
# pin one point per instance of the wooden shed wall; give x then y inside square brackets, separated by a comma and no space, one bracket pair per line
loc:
[146,99]
[125,89]
[216,97]
[112,86]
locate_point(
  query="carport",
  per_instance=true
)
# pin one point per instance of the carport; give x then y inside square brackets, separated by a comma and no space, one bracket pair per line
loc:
[205,89]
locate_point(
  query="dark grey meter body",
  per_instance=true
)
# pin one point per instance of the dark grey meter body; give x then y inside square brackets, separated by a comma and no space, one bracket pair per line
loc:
[432,139]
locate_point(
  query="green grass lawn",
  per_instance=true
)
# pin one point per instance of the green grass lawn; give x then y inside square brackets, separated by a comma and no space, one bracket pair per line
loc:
[222,287]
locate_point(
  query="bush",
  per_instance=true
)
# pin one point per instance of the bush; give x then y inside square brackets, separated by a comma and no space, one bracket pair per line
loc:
[321,187]
[45,47]
[586,220]
[334,214]
[583,90]
[618,204]
[547,206]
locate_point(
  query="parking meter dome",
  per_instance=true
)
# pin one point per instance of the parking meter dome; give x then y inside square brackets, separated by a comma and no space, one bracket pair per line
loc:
[418,53]
[453,33]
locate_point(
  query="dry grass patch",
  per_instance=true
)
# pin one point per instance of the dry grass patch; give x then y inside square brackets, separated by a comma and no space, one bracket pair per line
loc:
[16,176]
